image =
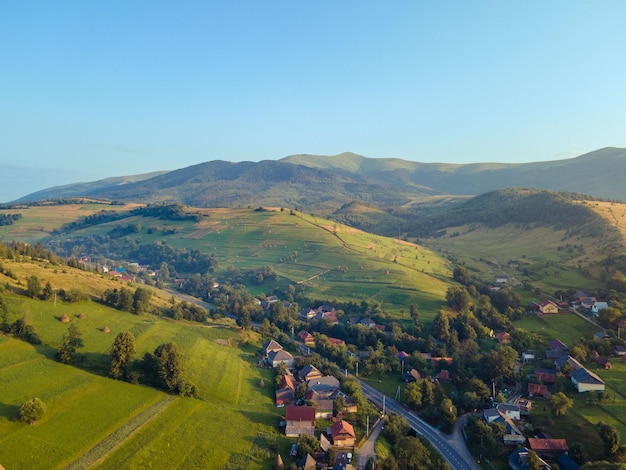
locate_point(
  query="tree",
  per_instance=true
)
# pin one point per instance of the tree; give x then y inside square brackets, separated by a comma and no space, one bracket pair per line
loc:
[70,344]
[32,410]
[47,292]
[169,366]
[121,354]
[141,300]
[4,316]
[533,461]
[413,395]
[33,286]
[560,403]
[415,314]
[243,320]
[610,438]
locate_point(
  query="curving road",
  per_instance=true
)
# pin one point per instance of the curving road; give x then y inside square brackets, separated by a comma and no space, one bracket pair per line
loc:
[457,455]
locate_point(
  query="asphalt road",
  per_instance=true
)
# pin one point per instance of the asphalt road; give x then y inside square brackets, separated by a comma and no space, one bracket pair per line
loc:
[456,455]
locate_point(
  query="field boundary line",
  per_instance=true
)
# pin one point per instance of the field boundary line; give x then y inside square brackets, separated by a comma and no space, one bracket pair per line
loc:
[98,453]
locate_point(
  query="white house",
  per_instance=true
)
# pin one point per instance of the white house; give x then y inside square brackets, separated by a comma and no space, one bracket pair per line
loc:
[586,381]
[597,306]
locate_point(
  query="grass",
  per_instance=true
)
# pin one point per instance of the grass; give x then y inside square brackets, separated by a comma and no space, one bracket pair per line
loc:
[568,327]
[86,408]
[329,261]
[548,259]
[38,222]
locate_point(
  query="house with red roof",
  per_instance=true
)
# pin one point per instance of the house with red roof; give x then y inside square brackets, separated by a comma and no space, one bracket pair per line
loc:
[342,434]
[547,307]
[503,338]
[548,448]
[336,341]
[306,338]
[300,420]
[538,390]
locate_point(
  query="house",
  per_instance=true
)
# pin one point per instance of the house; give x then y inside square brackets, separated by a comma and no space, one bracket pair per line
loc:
[342,434]
[503,338]
[323,408]
[604,362]
[325,386]
[528,356]
[368,322]
[546,376]
[518,460]
[502,278]
[270,346]
[554,354]
[597,306]
[306,338]
[620,350]
[335,342]
[538,390]
[300,420]
[276,358]
[513,263]
[307,463]
[512,434]
[511,410]
[586,380]
[491,414]
[411,376]
[560,362]
[443,375]
[558,344]
[548,448]
[547,307]
[285,391]
[587,302]
[307,314]
[309,372]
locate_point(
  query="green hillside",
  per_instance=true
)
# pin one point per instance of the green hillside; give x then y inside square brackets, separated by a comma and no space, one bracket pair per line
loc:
[93,419]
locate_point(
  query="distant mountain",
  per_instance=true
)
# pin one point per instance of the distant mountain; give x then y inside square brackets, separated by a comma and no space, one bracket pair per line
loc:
[84,189]
[599,173]
[327,183]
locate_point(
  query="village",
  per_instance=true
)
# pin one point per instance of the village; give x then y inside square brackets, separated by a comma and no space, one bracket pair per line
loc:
[310,397]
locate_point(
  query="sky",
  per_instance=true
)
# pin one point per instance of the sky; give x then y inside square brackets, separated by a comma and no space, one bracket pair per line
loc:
[90,90]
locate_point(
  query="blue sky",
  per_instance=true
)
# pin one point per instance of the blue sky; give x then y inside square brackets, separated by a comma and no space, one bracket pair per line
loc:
[97,89]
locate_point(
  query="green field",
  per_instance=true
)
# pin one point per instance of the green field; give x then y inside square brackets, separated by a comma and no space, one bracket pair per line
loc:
[329,261]
[567,327]
[548,258]
[133,425]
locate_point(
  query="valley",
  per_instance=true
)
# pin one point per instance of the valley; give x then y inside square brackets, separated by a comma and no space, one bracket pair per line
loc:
[416,290]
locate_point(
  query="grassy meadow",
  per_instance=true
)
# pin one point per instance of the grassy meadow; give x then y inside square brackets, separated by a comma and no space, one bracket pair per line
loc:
[133,426]
[548,259]
[328,260]
[567,327]
[38,222]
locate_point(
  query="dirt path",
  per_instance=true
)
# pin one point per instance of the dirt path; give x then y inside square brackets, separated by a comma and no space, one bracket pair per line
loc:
[98,453]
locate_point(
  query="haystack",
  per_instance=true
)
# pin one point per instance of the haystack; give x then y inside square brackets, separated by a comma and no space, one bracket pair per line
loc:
[81,315]
[65,319]
[106,329]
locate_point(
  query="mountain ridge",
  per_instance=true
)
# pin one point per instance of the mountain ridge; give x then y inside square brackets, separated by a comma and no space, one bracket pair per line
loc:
[325,183]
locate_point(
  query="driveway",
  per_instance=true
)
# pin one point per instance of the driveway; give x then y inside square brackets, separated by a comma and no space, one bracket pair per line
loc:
[366,451]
